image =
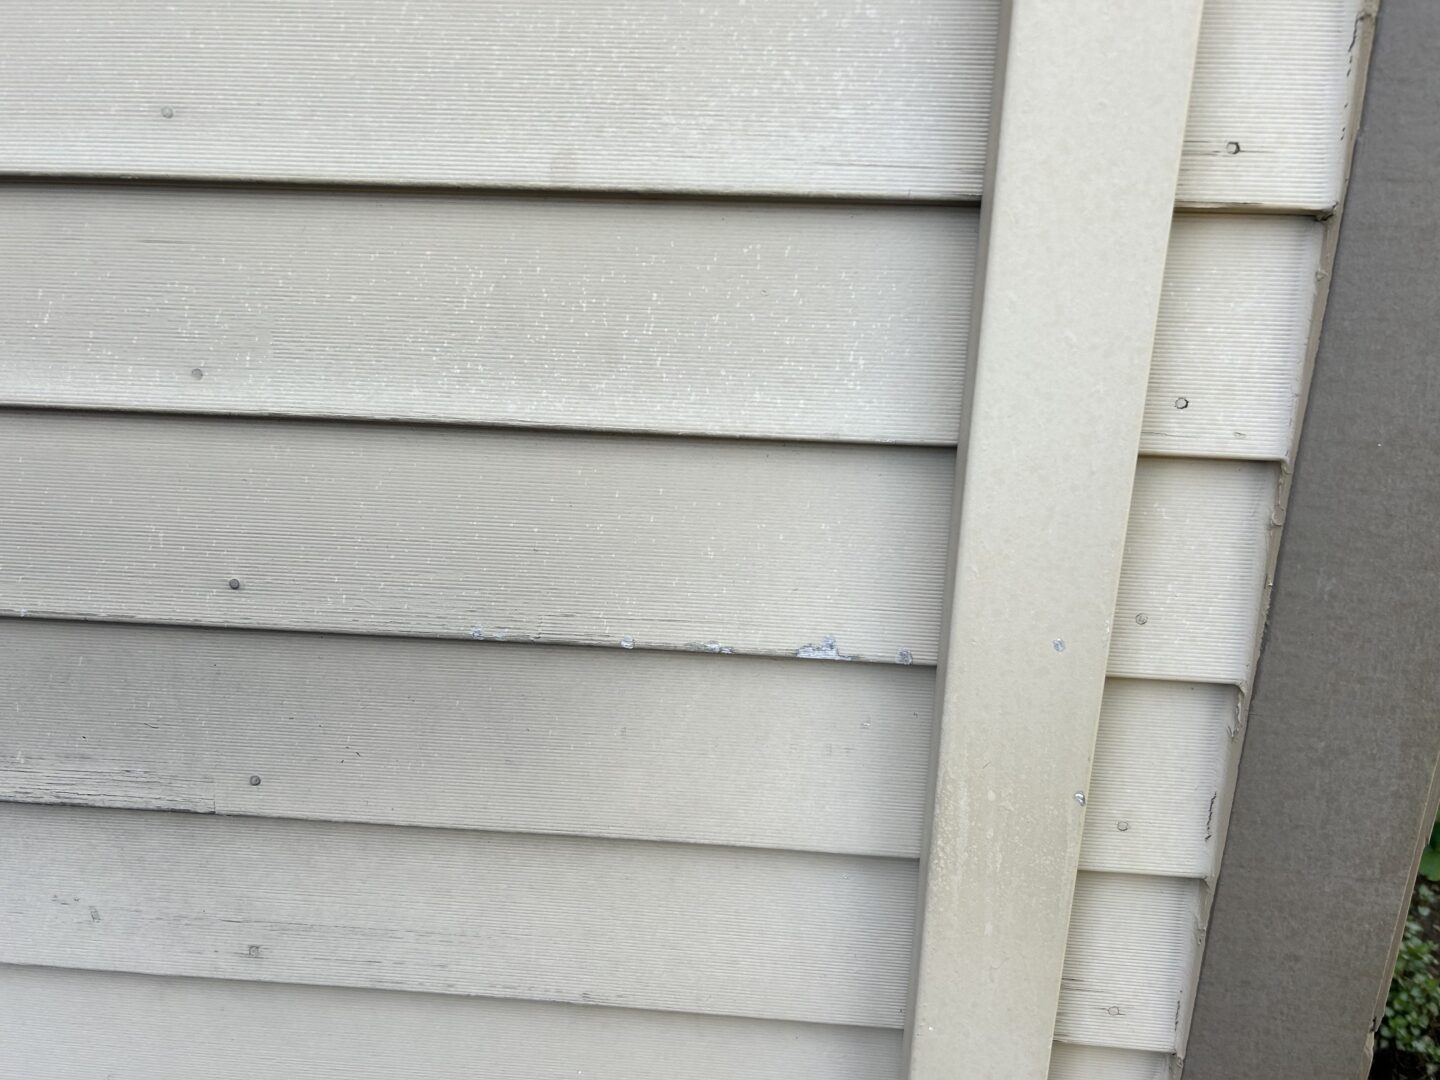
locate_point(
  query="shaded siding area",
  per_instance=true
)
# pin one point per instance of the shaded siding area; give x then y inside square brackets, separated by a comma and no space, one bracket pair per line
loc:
[477,485]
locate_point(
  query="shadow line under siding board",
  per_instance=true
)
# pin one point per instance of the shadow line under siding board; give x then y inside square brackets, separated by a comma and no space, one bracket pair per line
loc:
[794,321]
[61,1024]
[891,100]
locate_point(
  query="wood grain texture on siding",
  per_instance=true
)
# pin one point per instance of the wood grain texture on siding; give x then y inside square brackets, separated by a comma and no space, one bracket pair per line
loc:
[1231,339]
[785,320]
[1071,1061]
[1195,563]
[1272,103]
[763,548]
[597,742]
[523,738]
[1160,765]
[58,1024]
[767,934]
[1128,960]
[889,97]
[816,321]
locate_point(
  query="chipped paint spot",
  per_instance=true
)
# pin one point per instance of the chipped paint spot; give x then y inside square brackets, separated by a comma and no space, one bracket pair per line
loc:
[1058,644]
[826,650]
[478,633]
[904,656]
[709,646]
[627,642]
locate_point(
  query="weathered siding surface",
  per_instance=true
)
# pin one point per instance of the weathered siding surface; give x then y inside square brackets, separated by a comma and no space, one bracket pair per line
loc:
[786,320]
[890,98]
[646,858]
[144,1027]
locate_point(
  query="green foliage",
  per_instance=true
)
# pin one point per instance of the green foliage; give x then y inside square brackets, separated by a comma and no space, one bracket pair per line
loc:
[1412,1012]
[1430,857]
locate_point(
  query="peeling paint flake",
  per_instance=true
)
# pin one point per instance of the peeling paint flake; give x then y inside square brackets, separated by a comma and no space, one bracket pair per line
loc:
[826,650]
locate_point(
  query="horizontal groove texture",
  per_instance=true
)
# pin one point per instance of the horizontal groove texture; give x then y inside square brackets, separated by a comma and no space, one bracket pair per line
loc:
[889,99]
[1193,577]
[1127,960]
[825,552]
[806,321]
[1230,343]
[778,935]
[762,548]
[524,738]
[1272,105]
[733,750]
[794,321]
[764,934]
[1071,1061]
[146,1027]
[1160,764]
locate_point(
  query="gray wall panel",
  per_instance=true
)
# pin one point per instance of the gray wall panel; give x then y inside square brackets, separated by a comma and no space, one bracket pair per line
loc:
[1343,737]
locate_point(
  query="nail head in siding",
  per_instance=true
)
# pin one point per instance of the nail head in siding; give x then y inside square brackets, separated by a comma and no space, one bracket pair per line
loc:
[234,583]
[254,781]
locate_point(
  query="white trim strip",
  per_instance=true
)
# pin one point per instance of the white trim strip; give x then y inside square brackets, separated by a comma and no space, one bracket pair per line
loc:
[1086,151]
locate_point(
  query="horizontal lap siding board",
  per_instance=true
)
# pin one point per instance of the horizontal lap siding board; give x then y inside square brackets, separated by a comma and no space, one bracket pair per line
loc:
[763,548]
[767,934]
[801,97]
[889,99]
[599,742]
[1128,960]
[145,1027]
[819,321]
[729,750]
[784,320]
[764,934]
[1269,114]
[1160,766]
[1070,1061]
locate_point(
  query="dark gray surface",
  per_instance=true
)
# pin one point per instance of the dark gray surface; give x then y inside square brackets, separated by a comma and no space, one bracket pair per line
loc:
[1345,723]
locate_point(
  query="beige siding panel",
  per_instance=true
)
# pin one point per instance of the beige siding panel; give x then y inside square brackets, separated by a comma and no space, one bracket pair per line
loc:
[1160,764]
[817,321]
[888,97]
[1070,1061]
[1128,960]
[786,320]
[82,1025]
[652,746]
[1230,344]
[778,935]
[764,548]
[1195,563]
[1272,103]
[597,742]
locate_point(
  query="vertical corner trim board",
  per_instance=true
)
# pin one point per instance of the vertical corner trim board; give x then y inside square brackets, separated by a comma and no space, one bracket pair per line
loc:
[889,98]
[1090,111]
